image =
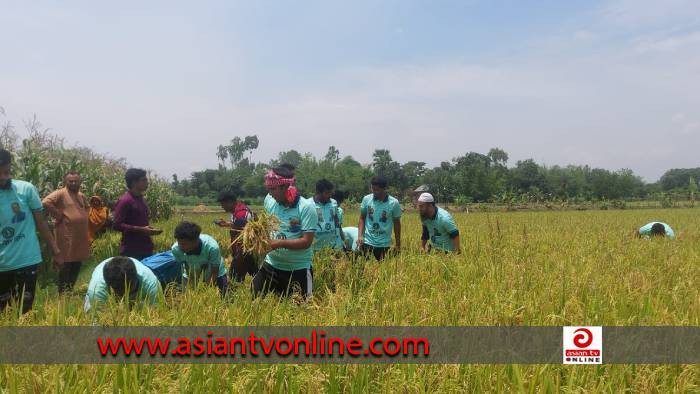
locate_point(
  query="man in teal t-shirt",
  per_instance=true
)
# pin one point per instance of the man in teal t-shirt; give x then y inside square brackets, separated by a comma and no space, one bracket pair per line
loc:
[438,226]
[379,214]
[199,255]
[119,275]
[288,263]
[21,215]
[655,229]
[328,232]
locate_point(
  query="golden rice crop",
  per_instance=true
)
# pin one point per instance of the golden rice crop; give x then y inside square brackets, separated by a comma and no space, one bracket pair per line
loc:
[255,236]
[516,269]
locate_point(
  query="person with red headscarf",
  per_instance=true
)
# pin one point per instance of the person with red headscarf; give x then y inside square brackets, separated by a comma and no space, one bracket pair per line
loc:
[287,265]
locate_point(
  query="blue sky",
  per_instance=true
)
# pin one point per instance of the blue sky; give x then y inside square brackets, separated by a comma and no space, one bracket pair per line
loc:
[613,84]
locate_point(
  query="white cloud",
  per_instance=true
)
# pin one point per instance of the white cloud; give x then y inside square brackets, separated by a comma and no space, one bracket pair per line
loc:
[650,13]
[678,117]
[690,128]
[669,43]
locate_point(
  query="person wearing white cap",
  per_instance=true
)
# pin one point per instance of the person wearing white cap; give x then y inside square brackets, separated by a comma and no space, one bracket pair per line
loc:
[438,226]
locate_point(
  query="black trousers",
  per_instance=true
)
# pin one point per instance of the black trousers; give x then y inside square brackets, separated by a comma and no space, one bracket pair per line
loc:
[379,253]
[242,264]
[281,282]
[18,285]
[67,275]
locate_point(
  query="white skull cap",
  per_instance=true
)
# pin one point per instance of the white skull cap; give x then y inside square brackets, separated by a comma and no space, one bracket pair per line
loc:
[426,197]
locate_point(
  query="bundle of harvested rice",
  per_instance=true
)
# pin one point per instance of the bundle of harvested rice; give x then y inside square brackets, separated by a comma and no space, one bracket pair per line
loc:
[255,236]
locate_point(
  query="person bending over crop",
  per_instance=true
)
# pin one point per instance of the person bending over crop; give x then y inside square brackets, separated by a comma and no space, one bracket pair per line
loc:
[200,255]
[241,263]
[122,277]
[654,230]
[438,226]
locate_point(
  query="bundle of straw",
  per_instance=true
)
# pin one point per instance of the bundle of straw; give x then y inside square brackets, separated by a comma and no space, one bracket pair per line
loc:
[255,236]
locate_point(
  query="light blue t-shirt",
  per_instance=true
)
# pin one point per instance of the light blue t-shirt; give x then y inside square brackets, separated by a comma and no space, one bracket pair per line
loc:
[351,237]
[341,216]
[646,230]
[329,226]
[379,219]
[295,220]
[208,257]
[440,230]
[19,245]
[341,221]
[98,290]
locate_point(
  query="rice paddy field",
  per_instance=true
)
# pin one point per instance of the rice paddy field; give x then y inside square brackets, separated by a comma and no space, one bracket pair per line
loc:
[517,268]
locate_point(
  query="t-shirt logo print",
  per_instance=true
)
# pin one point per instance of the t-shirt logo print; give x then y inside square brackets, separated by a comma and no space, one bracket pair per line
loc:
[19,216]
[384,218]
[8,232]
[370,212]
[294,225]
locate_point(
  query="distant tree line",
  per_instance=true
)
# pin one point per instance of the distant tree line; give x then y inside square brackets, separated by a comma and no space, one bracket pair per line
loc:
[473,177]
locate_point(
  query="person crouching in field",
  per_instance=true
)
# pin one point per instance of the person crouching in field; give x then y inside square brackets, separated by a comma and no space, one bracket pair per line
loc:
[288,263]
[200,255]
[379,213]
[350,239]
[69,208]
[20,254]
[123,277]
[654,230]
[241,263]
[438,226]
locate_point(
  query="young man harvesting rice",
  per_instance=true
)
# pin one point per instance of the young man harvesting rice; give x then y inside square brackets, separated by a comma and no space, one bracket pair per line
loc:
[438,226]
[655,230]
[20,254]
[290,171]
[329,233]
[379,213]
[288,264]
[241,263]
[200,255]
[122,276]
